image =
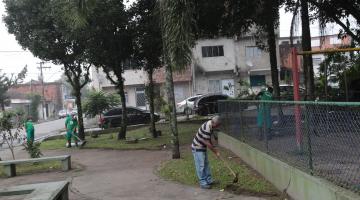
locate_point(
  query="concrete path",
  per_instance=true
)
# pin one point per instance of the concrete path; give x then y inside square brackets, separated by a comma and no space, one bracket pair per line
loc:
[114,175]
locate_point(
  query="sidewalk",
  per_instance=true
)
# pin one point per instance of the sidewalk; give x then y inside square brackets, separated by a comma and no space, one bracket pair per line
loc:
[113,175]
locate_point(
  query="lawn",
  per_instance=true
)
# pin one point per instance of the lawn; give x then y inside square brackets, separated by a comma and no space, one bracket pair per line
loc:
[182,170]
[109,141]
[34,168]
[250,183]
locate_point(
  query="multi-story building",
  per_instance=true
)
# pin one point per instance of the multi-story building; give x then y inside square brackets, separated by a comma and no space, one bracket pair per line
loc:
[219,64]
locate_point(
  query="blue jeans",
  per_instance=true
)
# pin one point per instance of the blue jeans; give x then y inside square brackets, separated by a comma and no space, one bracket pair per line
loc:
[202,167]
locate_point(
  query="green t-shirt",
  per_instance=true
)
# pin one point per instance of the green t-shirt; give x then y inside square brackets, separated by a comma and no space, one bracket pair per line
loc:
[71,125]
[68,119]
[29,126]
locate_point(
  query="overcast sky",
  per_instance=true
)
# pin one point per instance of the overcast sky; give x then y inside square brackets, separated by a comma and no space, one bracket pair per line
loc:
[13,58]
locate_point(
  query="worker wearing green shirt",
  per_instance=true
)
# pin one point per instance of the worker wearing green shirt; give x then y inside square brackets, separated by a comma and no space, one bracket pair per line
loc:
[30,130]
[71,127]
[264,113]
[67,120]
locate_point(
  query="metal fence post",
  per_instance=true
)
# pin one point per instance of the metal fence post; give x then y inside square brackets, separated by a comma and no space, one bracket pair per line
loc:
[308,138]
[242,124]
[264,127]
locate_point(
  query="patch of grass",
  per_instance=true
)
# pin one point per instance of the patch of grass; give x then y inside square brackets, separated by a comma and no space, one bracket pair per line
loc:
[109,141]
[183,171]
[29,168]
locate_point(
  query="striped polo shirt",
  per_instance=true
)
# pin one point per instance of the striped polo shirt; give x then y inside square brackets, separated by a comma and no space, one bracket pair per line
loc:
[204,133]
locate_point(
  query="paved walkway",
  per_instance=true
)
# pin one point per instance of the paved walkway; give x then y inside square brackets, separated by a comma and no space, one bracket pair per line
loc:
[114,175]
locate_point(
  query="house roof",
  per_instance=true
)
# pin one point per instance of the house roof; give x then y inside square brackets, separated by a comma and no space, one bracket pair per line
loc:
[183,76]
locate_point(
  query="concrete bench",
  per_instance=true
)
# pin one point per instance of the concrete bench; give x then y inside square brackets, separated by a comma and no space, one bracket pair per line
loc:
[10,165]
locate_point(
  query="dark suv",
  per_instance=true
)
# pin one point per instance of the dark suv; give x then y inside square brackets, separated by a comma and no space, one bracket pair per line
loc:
[112,118]
[207,104]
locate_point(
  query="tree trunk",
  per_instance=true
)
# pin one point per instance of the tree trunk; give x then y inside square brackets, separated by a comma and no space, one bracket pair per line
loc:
[173,120]
[151,102]
[122,133]
[306,46]
[271,40]
[273,58]
[77,92]
[3,106]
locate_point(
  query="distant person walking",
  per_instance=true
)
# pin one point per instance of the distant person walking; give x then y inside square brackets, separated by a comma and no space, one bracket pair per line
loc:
[30,130]
[264,113]
[201,142]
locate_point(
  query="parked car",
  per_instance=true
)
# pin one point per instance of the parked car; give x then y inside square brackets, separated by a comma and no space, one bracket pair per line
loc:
[287,92]
[207,104]
[112,118]
[64,113]
[186,106]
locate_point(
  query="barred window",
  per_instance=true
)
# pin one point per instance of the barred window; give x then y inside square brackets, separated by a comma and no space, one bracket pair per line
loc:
[212,51]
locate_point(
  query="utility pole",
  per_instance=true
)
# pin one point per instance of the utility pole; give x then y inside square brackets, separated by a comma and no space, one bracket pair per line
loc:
[41,67]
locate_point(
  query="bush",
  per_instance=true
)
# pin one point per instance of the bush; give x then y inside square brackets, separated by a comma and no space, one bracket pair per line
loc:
[33,149]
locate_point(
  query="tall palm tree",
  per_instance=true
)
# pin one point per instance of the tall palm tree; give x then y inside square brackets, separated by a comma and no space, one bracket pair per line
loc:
[178,39]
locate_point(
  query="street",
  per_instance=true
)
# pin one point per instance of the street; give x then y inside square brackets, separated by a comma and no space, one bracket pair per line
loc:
[48,128]
[43,130]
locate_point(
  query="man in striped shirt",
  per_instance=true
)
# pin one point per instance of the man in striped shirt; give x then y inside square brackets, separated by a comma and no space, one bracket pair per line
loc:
[201,142]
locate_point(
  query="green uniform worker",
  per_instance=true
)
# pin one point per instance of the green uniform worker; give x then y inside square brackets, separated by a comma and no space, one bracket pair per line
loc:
[71,127]
[264,112]
[30,130]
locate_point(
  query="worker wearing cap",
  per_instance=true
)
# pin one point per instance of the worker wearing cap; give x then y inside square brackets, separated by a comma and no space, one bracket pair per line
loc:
[201,142]
[264,113]
[30,130]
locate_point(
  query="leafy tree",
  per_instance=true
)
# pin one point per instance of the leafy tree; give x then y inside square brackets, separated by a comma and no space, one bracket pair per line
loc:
[38,27]
[35,100]
[97,102]
[345,68]
[147,35]
[177,28]
[10,128]
[6,82]
[339,12]
[111,46]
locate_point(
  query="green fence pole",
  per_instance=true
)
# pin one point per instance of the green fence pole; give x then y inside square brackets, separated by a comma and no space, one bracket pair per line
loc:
[308,137]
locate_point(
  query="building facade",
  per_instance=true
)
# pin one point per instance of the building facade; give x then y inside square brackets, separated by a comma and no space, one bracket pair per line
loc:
[52,103]
[219,64]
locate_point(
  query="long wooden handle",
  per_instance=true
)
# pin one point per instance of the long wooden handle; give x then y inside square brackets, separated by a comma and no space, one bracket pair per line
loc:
[227,165]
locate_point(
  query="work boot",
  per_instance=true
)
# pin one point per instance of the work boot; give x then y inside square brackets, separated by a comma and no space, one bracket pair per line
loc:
[205,186]
[69,142]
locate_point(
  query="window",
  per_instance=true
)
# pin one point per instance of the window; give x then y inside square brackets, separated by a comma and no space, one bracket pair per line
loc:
[315,42]
[126,97]
[252,51]
[257,80]
[140,97]
[335,40]
[212,51]
[214,86]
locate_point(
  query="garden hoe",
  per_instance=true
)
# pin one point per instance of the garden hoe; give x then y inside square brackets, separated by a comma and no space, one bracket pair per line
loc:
[236,179]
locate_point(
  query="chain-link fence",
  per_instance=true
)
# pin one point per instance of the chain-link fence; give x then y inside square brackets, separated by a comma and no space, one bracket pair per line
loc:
[320,138]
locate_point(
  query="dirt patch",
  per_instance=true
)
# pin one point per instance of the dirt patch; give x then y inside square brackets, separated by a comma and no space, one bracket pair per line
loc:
[241,191]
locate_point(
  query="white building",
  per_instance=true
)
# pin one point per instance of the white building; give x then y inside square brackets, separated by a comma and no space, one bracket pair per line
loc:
[219,64]
[134,84]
